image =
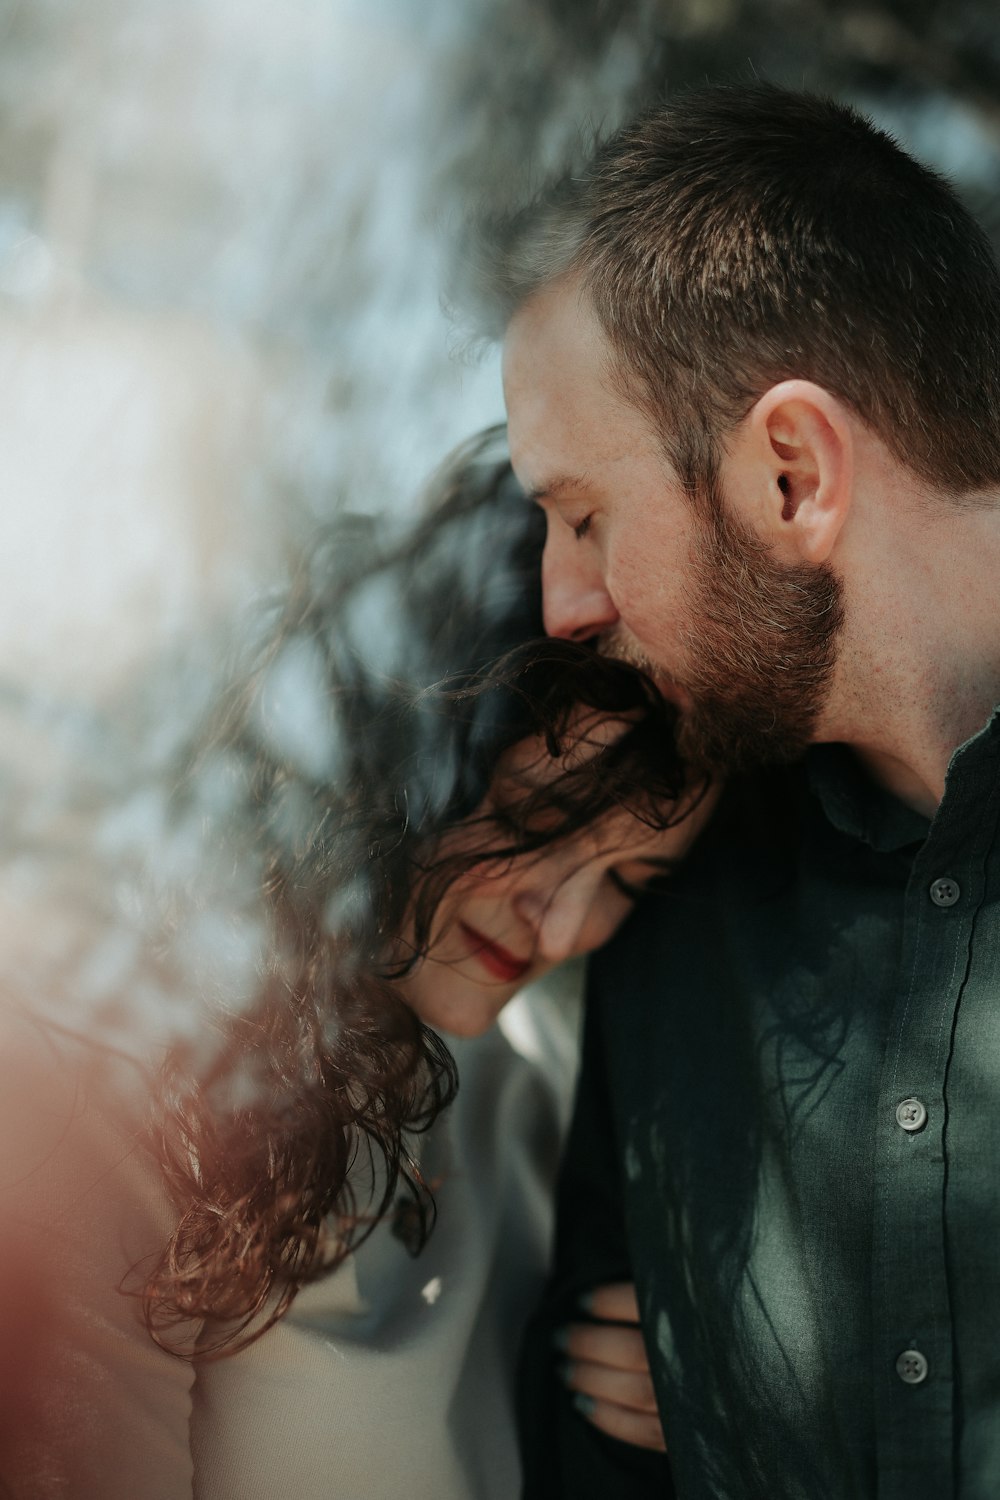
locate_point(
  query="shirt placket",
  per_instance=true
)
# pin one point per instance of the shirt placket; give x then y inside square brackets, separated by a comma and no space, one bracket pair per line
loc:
[912,1317]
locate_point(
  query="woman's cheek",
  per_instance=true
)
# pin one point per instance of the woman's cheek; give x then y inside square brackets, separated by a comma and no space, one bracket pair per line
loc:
[604,921]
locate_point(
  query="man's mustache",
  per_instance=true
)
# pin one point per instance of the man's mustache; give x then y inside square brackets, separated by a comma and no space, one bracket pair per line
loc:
[619,646]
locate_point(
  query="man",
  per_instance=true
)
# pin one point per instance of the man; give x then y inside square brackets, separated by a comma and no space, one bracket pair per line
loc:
[752,368]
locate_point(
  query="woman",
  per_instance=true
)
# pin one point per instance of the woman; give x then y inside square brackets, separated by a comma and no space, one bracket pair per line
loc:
[244,1296]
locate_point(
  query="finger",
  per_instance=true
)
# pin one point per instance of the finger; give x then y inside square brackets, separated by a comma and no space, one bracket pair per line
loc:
[605,1344]
[632,1389]
[616,1302]
[627,1426]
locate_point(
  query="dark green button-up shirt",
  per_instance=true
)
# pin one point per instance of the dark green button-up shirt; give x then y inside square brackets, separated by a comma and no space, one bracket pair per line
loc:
[788,1131]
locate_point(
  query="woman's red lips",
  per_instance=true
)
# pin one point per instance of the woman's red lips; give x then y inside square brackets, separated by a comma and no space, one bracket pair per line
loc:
[500,963]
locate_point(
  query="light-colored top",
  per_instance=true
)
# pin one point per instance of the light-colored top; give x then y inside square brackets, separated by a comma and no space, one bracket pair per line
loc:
[392,1377]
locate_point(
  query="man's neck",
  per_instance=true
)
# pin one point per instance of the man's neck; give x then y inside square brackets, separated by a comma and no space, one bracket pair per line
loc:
[919,668]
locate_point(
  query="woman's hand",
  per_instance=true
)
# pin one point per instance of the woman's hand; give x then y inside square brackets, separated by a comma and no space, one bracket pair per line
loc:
[605,1365]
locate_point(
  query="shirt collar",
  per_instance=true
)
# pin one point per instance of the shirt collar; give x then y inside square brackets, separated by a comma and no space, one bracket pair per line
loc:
[857,805]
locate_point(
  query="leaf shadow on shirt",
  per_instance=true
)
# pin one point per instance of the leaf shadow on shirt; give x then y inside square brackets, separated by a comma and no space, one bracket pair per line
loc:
[735,1177]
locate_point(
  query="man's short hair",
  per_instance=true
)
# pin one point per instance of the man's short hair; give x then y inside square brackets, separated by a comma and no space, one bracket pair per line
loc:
[744,235]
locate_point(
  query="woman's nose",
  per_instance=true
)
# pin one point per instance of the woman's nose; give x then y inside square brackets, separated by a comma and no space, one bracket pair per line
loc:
[575,603]
[558,916]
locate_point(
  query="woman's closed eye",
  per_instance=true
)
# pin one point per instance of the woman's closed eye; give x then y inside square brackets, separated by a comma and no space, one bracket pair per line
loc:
[657,880]
[581,527]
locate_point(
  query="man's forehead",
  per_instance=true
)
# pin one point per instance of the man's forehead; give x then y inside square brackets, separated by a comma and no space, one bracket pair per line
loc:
[557,322]
[566,416]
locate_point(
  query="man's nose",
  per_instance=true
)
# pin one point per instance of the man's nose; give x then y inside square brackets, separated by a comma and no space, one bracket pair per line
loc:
[575,603]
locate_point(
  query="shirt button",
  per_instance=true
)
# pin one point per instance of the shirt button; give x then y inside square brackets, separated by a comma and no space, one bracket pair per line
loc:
[911,1114]
[945,891]
[911,1367]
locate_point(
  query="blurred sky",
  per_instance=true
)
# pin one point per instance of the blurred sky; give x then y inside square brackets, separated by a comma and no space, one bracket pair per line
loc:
[219,308]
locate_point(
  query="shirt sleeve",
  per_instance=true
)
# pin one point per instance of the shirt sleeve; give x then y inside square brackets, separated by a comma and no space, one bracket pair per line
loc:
[90,1407]
[564,1456]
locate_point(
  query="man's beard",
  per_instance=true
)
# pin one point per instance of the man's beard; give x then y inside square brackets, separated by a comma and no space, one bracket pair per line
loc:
[758,648]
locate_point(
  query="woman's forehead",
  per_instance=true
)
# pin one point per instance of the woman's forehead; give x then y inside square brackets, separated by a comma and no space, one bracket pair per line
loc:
[586,733]
[620,832]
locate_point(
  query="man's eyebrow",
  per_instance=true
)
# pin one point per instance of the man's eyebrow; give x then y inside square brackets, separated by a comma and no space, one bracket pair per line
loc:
[553,488]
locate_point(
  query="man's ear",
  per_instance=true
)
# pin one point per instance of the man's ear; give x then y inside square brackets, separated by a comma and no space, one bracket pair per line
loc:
[791,465]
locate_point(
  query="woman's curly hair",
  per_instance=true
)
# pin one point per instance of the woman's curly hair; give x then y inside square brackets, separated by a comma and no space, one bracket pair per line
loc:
[394,678]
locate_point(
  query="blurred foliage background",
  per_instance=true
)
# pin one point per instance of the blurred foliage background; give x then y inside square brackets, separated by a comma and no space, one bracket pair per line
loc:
[226,227]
